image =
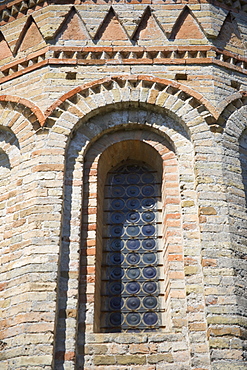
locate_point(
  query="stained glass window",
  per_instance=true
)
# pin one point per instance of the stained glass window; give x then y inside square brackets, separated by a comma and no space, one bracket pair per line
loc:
[130,274]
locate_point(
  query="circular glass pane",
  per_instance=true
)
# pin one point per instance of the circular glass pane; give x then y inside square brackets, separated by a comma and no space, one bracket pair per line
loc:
[118,179]
[117,273]
[133,191]
[133,217]
[133,203]
[148,203]
[148,243]
[133,178]
[117,204]
[133,303]
[150,302]
[117,231]
[148,230]
[116,288]
[133,318]
[133,273]
[149,272]
[148,216]
[117,191]
[115,319]
[149,258]
[117,217]
[133,287]
[150,287]
[150,318]
[133,230]
[133,244]
[117,244]
[148,190]
[116,258]
[148,178]
[116,303]
[133,258]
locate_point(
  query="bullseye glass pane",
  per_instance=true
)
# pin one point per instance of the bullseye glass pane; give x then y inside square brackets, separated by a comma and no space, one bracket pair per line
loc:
[129,262]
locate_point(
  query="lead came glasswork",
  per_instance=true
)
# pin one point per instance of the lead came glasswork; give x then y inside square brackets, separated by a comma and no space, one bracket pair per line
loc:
[130,294]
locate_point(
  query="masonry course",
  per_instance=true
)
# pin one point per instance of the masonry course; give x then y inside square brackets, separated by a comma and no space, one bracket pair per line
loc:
[84,85]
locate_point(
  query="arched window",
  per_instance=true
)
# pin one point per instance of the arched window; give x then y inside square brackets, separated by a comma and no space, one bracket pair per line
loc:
[130,249]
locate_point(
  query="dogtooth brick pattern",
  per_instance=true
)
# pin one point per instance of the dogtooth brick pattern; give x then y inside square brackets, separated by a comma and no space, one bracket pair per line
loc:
[90,88]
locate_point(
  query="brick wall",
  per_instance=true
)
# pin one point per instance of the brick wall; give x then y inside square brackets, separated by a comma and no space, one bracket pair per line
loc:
[83,87]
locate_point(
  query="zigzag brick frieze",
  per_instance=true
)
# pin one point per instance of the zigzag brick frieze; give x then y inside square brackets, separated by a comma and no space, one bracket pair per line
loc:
[16,9]
[86,85]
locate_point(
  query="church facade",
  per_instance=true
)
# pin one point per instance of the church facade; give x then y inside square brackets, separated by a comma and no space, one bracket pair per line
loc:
[123,185]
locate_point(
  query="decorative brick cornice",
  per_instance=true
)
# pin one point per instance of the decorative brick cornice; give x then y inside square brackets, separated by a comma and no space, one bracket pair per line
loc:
[54,55]
[16,9]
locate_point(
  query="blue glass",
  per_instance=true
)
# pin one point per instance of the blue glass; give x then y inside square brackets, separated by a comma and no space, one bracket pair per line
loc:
[149,287]
[116,258]
[150,318]
[133,258]
[149,272]
[133,273]
[133,178]
[133,230]
[148,203]
[133,319]
[133,303]
[148,244]
[149,258]
[117,218]
[116,288]
[117,244]
[133,203]
[115,319]
[133,217]
[132,191]
[118,191]
[148,178]
[118,179]
[117,204]
[148,216]
[148,230]
[133,244]
[116,303]
[148,190]
[117,273]
[130,259]
[150,302]
[117,231]
[133,287]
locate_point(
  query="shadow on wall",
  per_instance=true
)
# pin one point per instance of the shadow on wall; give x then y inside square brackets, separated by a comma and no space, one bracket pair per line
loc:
[4,160]
[243,161]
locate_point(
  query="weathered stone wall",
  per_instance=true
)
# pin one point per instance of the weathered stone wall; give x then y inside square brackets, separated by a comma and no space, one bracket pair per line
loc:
[88,82]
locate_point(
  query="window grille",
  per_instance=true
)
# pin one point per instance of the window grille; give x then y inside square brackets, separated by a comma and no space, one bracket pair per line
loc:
[130,273]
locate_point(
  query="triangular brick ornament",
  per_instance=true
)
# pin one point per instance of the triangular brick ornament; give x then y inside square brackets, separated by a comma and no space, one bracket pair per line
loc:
[148,28]
[229,34]
[111,29]
[72,28]
[5,51]
[30,37]
[186,27]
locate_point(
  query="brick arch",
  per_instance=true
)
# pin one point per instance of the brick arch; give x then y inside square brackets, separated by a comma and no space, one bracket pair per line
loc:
[181,156]
[230,106]
[83,102]
[25,108]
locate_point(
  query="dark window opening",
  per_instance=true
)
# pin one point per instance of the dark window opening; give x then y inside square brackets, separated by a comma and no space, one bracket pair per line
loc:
[130,257]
